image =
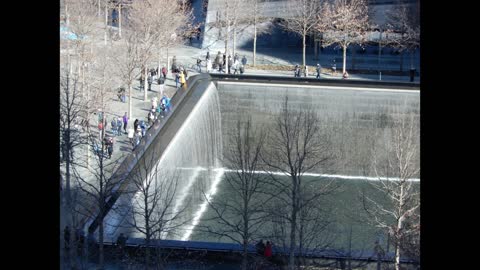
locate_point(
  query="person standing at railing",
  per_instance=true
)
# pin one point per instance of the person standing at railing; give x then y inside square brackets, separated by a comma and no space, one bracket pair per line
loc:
[268,250]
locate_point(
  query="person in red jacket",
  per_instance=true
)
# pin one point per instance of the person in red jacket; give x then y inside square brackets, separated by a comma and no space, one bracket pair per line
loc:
[268,250]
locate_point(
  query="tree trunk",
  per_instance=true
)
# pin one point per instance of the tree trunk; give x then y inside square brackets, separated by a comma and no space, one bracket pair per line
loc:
[412,52]
[293,227]
[120,20]
[147,251]
[227,37]
[67,22]
[100,244]
[401,61]
[399,228]
[106,24]
[130,100]
[159,62]
[353,58]
[145,88]
[234,40]
[344,59]
[304,47]
[254,42]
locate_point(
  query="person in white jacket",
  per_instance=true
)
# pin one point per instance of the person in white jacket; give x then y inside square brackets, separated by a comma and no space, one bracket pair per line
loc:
[209,65]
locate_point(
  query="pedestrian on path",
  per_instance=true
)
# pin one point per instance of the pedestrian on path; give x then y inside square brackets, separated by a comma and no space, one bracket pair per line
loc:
[121,243]
[305,71]
[182,79]
[114,126]
[119,126]
[154,102]
[208,56]
[135,124]
[319,68]
[260,247]
[150,81]
[131,133]
[334,67]
[244,60]
[66,237]
[125,122]
[209,65]
[110,150]
[164,72]
[177,80]
[230,64]
[296,71]
[199,65]
[268,250]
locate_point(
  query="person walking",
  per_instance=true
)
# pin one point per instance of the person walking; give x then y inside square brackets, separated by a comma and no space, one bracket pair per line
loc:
[66,237]
[244,60]
[230,64]
[319,68]
[164,72]
[305,71]
[125,122]
[114,126]
[296,71]
[121,243]
[131,133]
[209,65]
[199,65]
[182,79]
[177,79]
[235,66]
[119,126]
[334,67]
[135,124]
[150,81]
[260,246]
[268,250]
[154,102]
[208,56]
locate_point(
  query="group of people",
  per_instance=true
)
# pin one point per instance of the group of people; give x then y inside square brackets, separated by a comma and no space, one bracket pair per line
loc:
[265,250]
[180,73]
[79,237]
[298,71]
[225,64]
[153,74]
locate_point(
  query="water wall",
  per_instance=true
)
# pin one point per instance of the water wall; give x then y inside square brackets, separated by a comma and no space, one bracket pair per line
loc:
[176,171]
[358,120]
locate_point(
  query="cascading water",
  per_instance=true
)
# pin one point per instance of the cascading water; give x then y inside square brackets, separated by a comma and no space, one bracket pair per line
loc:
[196,145]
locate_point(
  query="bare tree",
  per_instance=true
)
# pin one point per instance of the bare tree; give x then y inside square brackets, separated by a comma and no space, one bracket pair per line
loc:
[97,186]
[155,209]
[70,137]
[145,16]
[344,22]
[177,22]
[303,19]
[298,145]
[254,16]
[240,214]
[404,21]
[396,164]
[128,60]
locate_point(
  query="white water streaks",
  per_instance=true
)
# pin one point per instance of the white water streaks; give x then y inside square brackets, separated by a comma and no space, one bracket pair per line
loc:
[203,207]
[350,177]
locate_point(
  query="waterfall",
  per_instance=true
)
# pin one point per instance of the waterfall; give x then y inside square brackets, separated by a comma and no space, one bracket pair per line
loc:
[197,144]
